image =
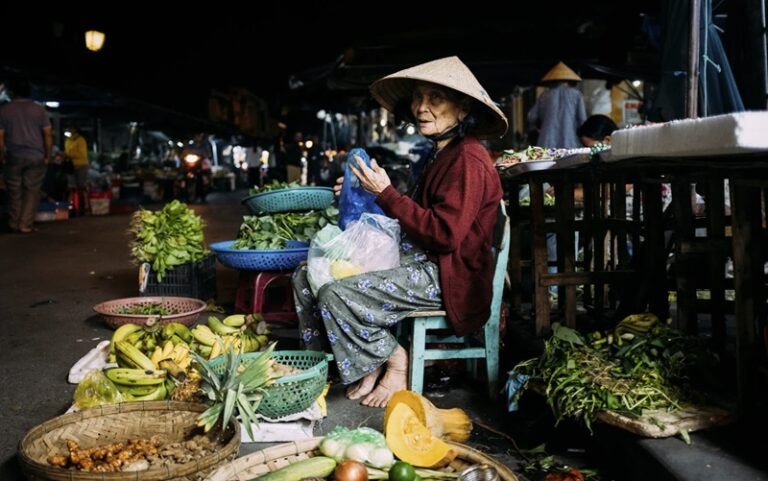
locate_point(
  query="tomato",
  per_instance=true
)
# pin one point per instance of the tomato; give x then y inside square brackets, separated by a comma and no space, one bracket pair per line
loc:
[572,474]
[402,471]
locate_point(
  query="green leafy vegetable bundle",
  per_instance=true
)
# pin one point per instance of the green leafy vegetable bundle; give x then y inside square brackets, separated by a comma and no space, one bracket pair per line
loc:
[275,185]
[272,231]
[167,238]
[153,308]
[622,371]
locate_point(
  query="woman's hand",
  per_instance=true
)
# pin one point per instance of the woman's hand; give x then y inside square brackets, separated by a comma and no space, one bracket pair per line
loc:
[337,187]
[374,179]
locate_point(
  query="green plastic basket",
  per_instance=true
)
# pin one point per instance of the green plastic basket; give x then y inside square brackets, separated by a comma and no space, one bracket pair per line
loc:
[295,199]
[290,394]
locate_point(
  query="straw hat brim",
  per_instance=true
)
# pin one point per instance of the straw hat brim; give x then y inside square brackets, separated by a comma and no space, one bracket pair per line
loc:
[398,87]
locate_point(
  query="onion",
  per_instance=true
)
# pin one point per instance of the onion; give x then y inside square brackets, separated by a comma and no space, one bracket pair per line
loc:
[332,449]
[381,458]
[351,471]
[358,452]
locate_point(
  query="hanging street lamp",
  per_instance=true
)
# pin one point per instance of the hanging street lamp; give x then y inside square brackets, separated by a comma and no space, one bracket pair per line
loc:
[94,40]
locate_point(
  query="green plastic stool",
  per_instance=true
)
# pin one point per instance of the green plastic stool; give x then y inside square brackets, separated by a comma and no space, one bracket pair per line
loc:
[430,320]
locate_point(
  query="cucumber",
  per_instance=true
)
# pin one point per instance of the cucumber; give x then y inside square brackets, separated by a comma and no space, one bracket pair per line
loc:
[317,467]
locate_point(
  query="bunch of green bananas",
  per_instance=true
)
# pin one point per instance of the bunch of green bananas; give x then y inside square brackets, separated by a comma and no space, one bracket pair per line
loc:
[139,384]
[137,377]
[146,355]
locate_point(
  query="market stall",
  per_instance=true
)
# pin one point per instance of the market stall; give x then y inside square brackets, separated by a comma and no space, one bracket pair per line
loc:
[703,153]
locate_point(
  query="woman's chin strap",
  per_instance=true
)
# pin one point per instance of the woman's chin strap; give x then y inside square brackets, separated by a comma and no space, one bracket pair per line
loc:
[452,132]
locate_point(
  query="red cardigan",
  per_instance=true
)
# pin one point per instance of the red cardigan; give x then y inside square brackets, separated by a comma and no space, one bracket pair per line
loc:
[453,220]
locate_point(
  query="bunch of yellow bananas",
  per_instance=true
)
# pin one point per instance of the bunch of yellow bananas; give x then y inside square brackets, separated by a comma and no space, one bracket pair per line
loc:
[179,354]
[219,335]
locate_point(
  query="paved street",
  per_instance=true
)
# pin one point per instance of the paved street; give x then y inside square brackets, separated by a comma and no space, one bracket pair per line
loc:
[52,278]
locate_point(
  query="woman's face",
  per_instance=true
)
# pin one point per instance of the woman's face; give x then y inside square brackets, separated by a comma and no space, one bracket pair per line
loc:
[435,112]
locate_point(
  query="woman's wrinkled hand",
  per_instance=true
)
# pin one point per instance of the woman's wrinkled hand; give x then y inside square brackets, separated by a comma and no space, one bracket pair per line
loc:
[337,187]
[374,179]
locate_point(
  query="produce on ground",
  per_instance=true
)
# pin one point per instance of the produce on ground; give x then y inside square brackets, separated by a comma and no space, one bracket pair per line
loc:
[234,391]
[135,454]
[148,308]
[94,390]
[216,337]
[356,452]
[450,424]
[167,238]
[411,441]
[640,365]
[349,470]
[318,467]
[538,464]
[155,362]
[363,444]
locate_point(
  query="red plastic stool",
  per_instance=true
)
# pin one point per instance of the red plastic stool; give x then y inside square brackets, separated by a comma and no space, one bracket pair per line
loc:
[252,294]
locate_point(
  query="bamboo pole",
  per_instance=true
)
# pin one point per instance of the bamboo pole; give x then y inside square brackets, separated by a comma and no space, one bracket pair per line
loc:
[692,98]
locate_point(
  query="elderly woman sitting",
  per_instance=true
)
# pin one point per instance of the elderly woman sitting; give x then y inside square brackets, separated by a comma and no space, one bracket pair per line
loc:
[446,255]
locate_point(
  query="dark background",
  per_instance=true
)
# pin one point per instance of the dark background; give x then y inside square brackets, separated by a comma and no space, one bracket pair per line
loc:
[174,59]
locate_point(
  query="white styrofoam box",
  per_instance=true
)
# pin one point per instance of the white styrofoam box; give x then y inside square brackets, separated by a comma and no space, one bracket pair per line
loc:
[744,132]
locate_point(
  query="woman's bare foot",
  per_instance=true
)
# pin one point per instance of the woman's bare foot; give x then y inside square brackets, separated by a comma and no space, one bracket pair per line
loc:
[364,386]
[395,379]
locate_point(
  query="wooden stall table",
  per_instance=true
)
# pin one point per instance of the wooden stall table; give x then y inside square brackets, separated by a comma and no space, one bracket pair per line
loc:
[603,229]
[708,152]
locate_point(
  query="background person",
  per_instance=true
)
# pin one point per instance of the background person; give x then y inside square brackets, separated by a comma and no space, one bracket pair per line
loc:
[76,151]
[26,143]
[294,155]
[597,129]
[447,260]
[559,111]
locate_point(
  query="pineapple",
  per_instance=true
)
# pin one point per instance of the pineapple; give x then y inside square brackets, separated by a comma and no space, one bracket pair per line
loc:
[234,391]
[187,390]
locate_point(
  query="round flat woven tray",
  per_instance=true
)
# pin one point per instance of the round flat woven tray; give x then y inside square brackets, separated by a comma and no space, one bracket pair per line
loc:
[290,394]
[287,200]
[276,457]
[171,420]
[259,260]
[187,310]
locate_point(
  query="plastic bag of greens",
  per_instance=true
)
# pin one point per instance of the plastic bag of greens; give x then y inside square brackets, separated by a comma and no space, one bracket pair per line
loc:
[369,244]
[319,266]
[365,445]
[96,389]
[355,200]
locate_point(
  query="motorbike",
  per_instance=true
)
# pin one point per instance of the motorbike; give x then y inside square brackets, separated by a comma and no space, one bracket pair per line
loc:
[196,180]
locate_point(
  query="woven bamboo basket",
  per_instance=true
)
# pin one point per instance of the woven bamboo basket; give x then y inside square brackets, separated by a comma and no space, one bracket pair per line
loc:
[281,455]
[172,420]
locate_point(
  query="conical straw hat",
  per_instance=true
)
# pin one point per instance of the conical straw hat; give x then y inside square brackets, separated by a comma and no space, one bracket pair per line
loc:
[449,72]
[561,72]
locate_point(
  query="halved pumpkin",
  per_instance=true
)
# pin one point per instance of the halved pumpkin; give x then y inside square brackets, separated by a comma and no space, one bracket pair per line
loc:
[412,442]
[451,424]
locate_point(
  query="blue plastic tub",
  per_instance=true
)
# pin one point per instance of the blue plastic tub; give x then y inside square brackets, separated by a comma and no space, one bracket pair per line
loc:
[260,260]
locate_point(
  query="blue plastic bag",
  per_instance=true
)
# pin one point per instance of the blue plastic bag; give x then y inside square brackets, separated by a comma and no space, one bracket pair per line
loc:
[354,199]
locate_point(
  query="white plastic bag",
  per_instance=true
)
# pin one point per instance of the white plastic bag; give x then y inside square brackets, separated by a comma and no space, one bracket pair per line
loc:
[369,244]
